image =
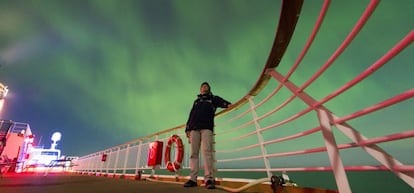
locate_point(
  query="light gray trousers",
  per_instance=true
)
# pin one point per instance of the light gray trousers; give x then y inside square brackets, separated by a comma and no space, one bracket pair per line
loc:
[202,138]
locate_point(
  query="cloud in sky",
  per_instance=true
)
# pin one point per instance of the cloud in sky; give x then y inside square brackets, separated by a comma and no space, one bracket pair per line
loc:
[106,72]
[115,71]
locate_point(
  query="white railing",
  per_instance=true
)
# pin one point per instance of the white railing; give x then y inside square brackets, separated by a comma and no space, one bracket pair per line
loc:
[286,124]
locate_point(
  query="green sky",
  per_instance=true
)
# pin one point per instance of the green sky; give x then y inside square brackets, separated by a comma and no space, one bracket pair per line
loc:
[107,72]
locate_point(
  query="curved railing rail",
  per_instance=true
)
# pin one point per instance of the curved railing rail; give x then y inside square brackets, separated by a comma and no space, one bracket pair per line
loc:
[300,127]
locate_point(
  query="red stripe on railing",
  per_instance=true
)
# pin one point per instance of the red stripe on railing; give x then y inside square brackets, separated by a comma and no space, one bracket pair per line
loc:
[406,41]
[370,9]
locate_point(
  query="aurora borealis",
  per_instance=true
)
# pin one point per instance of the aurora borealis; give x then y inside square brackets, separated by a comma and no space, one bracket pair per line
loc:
[106,72]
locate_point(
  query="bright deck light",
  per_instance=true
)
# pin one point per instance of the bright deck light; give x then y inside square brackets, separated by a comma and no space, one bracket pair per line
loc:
[3,91]
[56,136]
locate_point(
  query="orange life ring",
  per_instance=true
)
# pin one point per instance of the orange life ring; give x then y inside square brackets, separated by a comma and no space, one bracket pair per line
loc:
[179,153]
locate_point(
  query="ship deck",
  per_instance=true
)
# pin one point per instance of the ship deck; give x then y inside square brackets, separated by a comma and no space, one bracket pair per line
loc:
[74,183]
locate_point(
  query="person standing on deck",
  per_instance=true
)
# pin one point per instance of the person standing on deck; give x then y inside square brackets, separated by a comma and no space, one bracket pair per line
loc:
[199,130]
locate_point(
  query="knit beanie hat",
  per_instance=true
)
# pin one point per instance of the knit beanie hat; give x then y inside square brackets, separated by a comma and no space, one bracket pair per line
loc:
[206,83]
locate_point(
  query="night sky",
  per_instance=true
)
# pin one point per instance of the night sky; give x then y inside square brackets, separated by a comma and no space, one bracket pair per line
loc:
[104,72]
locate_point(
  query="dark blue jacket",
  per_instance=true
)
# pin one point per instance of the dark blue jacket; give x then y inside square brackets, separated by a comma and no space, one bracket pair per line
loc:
[203,111]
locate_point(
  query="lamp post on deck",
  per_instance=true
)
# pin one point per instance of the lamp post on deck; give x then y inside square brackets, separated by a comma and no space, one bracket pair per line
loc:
[3,92]
[55,137]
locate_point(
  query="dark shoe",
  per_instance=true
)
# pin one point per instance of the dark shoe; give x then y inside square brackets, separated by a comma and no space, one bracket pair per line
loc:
[210,184]
[190,183]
